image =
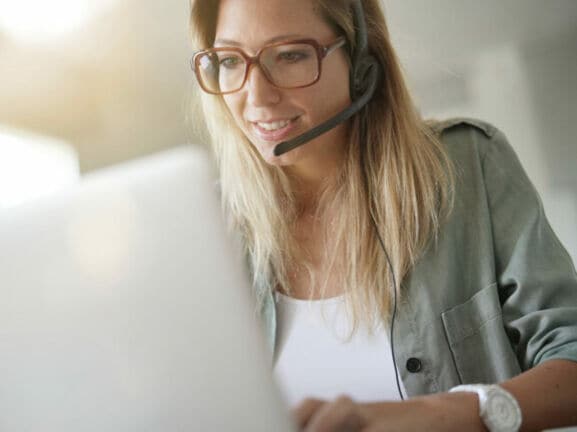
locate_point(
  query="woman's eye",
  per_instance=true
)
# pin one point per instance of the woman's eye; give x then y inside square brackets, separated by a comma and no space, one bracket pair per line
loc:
[292,56]
[230,62]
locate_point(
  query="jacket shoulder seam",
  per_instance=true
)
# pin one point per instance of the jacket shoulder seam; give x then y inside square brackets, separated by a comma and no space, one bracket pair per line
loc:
[486,128]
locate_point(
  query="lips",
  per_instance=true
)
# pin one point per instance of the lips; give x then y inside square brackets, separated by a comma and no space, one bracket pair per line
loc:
[274,130]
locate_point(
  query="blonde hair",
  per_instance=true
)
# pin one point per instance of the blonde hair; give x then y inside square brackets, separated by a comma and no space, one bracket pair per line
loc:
[397,172]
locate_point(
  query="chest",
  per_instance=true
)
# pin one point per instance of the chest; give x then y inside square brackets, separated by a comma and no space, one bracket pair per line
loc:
[317,271]
[315,351]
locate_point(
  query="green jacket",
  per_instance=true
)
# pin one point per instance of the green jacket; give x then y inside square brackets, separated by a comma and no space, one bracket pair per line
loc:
[497,294]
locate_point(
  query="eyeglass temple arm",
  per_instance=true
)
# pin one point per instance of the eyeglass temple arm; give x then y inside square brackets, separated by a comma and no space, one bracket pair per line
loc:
[329,49]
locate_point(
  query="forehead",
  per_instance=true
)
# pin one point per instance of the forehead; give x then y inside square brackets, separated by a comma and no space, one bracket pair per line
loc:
[253,23]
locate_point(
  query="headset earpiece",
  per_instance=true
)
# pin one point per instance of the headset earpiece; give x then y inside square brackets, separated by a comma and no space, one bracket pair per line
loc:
[362,74]
[362,62]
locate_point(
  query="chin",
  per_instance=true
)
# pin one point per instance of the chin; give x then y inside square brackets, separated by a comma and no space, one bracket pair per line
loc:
[284,160]
[267,153]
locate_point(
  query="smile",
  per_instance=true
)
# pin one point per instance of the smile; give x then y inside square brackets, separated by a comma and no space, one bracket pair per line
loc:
[274,130]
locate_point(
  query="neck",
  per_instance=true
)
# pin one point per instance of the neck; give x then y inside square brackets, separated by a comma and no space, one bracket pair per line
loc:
[309,182]
[311,176]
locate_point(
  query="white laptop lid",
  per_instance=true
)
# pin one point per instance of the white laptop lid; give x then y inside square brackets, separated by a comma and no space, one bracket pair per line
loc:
[123,307]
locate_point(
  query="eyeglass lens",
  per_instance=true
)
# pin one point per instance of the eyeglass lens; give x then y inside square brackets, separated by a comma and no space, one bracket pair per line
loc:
[286,66]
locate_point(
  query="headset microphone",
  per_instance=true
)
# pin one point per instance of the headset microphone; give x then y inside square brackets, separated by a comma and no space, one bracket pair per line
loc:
[364,76]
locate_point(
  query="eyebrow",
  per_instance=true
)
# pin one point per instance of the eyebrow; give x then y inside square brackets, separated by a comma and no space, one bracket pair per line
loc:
[230,42]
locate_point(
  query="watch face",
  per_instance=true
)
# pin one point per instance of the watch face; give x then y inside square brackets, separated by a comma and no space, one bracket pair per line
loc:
[501,411]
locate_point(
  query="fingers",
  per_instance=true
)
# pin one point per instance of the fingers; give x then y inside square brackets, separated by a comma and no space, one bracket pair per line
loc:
[305,410]
[341,415]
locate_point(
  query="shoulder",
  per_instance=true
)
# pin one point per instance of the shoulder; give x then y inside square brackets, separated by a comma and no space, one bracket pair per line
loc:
[484,161]
[460,124]
[482,158]
[466,134]
[467,138]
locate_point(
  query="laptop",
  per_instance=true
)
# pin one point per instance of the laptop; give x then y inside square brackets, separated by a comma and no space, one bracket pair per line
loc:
[124,306]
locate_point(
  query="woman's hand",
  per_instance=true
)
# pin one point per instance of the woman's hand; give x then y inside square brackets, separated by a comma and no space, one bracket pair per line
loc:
[442,412]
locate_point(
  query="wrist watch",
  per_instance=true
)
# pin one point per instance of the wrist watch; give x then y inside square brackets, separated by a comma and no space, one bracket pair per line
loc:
[498,409]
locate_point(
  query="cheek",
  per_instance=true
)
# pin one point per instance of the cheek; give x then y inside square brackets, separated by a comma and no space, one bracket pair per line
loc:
[334,87]
[331,98]
[234,105]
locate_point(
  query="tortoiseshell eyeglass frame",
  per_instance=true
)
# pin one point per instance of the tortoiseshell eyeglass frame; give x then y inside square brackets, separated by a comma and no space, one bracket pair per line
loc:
[321,50]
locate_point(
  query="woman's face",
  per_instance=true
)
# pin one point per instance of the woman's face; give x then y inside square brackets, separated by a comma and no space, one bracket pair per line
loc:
[268,115]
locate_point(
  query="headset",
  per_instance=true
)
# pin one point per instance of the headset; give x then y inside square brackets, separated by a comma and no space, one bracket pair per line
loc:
[365,74]
[394,315]
[364,77]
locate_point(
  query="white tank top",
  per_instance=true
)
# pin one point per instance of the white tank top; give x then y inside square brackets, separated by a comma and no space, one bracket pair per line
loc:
[314,359]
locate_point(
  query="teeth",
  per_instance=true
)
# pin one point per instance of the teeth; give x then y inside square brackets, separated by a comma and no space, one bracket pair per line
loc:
[273,125]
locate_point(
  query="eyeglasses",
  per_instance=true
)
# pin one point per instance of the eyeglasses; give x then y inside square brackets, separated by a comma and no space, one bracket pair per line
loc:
[285,65]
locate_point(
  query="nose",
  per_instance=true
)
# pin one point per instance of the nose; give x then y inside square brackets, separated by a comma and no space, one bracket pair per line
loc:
[260,92]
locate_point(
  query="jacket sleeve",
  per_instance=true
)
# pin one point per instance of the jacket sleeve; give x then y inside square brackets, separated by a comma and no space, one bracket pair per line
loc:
[536,276]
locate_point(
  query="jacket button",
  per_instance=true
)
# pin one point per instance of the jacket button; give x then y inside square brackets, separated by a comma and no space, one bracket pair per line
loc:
[414,365]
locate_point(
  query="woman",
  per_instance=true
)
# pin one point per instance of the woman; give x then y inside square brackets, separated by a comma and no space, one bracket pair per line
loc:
[383,223]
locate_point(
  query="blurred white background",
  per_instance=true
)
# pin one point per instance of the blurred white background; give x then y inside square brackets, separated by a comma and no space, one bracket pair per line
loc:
[109,80]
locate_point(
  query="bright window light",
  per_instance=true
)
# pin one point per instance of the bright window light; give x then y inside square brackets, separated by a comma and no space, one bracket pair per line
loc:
[45,21]
[32,166]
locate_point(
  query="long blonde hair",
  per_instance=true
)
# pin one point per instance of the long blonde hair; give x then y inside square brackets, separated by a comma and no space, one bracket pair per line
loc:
[397,172]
